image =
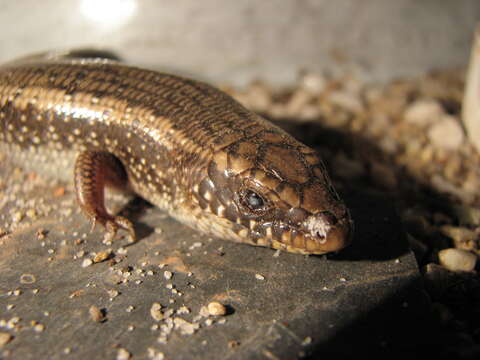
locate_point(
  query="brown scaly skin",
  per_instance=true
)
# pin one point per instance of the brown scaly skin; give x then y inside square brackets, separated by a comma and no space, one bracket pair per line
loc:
[181,144]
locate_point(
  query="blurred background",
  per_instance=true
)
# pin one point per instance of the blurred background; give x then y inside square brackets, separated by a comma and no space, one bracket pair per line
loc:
[237,41]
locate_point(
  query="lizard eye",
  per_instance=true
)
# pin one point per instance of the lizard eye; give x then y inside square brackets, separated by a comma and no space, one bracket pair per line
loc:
[253,200]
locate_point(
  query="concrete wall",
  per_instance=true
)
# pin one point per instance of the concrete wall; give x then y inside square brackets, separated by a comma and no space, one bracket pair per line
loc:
[235,41]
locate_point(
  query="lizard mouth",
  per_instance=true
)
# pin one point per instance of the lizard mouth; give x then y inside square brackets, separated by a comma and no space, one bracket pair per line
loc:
[317,234]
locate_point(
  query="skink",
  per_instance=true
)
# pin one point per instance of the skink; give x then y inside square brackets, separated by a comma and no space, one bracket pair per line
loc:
[181,144]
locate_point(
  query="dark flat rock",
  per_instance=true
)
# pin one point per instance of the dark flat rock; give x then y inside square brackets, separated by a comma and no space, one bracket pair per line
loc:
[363,299]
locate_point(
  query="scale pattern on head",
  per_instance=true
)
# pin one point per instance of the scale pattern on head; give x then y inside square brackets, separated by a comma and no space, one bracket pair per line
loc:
[274,191]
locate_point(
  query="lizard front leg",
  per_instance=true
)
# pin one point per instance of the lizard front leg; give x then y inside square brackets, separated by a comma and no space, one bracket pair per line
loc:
[94,170]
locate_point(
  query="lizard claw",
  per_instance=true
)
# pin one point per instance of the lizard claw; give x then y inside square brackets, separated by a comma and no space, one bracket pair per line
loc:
[112,226]
[94,223]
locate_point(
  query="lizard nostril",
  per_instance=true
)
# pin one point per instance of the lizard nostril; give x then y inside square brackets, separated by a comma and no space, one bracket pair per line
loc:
[319,225]
[321,236]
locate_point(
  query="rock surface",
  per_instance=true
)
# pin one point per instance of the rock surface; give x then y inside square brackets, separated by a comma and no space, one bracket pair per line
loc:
[302,305]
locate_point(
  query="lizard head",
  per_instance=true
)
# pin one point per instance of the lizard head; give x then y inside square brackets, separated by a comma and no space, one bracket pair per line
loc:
[271,190]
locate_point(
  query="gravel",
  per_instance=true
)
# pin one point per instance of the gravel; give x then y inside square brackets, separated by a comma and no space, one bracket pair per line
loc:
[404,139]
[457,259]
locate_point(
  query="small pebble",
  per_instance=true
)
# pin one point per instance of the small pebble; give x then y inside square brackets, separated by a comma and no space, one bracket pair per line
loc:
[463,238]
[217,309]
[31,213]
[446,133]
[59,191]
[185,327]
[259,277]
[156,311]
[309,112]
[41,234]
[167,274]
[123,354]
[13,322]
[314,83]
[96,314]
[232,344]
[307,341]
[423,112]
[154,355]
[87,262]
[346,100]
[183,310]
[38,327]
[299,99]
[204,311]
[5,338]
[101,256]
[17,216]
[76,293]
[444,186]
[457,259]
[112,293]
